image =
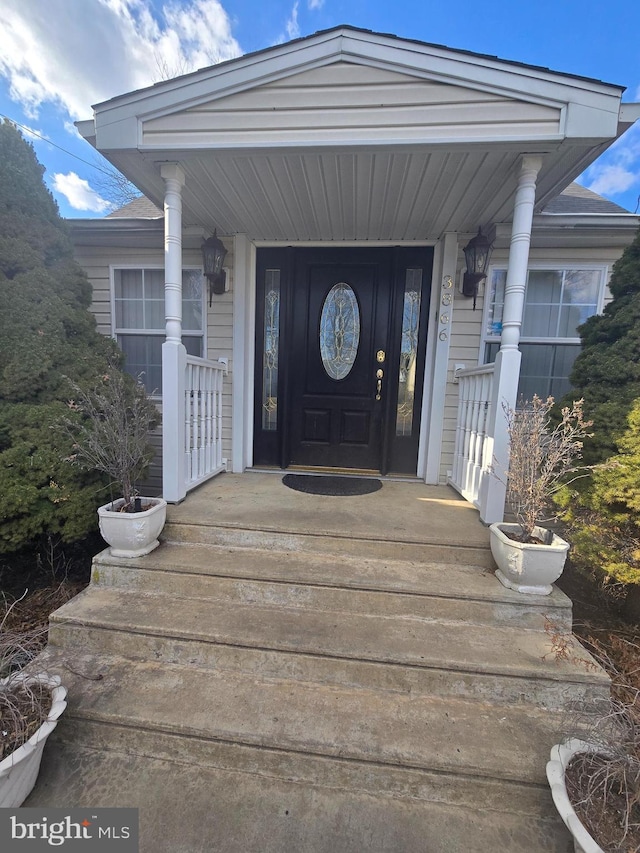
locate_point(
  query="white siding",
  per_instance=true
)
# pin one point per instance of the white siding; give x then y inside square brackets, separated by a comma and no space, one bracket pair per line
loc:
[342,102]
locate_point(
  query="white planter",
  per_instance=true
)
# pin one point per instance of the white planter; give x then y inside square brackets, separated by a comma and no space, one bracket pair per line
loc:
[19,771]
[132,534]
[524,567]
[561,755]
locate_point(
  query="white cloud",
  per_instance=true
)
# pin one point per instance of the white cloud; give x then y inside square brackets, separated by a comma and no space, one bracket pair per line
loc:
[618,169]
[315,4]
[292,26]
[75,53]
[78,193]
[612,180]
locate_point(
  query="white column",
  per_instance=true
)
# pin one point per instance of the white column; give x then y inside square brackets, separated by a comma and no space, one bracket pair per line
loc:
[507,370]
[174,355]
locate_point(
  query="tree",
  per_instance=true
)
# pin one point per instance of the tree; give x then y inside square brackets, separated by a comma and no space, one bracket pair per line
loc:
[606,374]
[47,335]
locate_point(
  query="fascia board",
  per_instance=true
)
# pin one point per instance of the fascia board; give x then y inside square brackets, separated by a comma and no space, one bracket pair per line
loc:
[582,121]
[482,73]
[87,130]
[564,223]
[629,113]
[123,133]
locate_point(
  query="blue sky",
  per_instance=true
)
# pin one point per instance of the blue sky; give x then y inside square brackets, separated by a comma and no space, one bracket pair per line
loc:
[58,57]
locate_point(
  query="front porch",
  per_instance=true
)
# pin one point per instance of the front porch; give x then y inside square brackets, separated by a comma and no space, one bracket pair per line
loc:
[299,672]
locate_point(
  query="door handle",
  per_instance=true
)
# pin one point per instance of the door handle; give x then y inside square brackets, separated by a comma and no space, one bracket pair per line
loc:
[379,375]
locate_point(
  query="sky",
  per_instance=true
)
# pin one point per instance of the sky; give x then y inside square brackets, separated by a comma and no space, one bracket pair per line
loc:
[59,57]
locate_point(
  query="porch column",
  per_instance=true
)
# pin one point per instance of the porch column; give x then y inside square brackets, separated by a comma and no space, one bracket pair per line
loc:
[507,369]
[174,354]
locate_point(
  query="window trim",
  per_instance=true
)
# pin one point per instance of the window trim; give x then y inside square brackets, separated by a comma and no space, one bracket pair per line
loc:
[115,330]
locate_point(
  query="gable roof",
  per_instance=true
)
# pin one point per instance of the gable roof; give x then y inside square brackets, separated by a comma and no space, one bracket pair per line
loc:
[578,199]
[138,208]
[353,135]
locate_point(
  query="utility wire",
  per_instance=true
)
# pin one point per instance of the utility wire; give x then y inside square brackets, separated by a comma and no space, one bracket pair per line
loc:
[31,132]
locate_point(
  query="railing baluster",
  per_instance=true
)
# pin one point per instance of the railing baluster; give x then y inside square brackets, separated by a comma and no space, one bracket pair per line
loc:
[203,415]
[474,402]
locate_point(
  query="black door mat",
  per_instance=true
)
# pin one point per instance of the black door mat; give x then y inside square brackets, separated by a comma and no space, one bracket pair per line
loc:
[313,484]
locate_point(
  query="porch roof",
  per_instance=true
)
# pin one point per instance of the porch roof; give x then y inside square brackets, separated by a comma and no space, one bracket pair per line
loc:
[352,135]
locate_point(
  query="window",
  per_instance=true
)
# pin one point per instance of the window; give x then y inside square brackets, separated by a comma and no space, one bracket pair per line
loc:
[557,301]
[139,323]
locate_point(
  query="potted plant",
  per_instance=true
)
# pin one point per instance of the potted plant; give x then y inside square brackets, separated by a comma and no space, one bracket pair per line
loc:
[595,778]
[110,433]
[30,706]
[529,556]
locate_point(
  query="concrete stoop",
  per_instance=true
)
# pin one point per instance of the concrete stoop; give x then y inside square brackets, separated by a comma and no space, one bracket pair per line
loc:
[254,690]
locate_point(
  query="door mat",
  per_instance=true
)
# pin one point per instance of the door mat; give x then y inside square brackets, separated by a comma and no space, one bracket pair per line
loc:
[313,484]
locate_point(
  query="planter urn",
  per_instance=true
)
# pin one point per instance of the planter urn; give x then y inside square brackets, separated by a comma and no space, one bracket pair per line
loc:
[560,757]
[19,771]
[132,534]
[527,567]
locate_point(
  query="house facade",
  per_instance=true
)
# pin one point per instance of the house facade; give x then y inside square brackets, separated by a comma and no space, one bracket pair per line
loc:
[345,173]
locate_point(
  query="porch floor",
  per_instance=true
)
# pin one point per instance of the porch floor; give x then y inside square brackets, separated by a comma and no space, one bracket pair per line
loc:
[403,511]
[295,672]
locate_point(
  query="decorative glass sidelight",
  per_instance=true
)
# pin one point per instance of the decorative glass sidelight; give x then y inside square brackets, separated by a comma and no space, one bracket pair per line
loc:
[408,351]
[339,331]
[270,352]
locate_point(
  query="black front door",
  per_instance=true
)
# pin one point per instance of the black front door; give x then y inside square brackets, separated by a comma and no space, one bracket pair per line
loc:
[340,341]
[341,311]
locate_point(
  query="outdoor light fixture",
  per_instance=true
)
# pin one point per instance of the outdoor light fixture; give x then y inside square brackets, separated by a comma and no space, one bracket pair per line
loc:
[213,254]
[476,254]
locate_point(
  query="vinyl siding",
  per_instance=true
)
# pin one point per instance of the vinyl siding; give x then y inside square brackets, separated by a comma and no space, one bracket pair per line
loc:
[333,103]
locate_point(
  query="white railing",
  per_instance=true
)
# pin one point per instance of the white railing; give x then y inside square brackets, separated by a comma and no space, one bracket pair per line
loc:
[203,420]
[472,460]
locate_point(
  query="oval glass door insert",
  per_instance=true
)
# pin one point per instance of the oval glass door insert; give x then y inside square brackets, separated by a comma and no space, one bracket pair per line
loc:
[339,331]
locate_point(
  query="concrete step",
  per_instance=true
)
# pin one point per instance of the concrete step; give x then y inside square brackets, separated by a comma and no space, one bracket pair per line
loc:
[381,546]
[239,799]
[327,581]
[310,719]
[368,644]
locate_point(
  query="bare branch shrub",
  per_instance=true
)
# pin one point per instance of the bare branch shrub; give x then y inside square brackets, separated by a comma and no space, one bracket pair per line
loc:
[603,784]
[110,429]
[24,705]
[541,458]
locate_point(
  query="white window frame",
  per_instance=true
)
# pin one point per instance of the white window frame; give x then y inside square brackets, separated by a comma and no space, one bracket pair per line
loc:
[552,266]
[115,330]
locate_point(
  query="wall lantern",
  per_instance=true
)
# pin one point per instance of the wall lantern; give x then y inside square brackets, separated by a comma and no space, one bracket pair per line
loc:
[213,254]
[476,254]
